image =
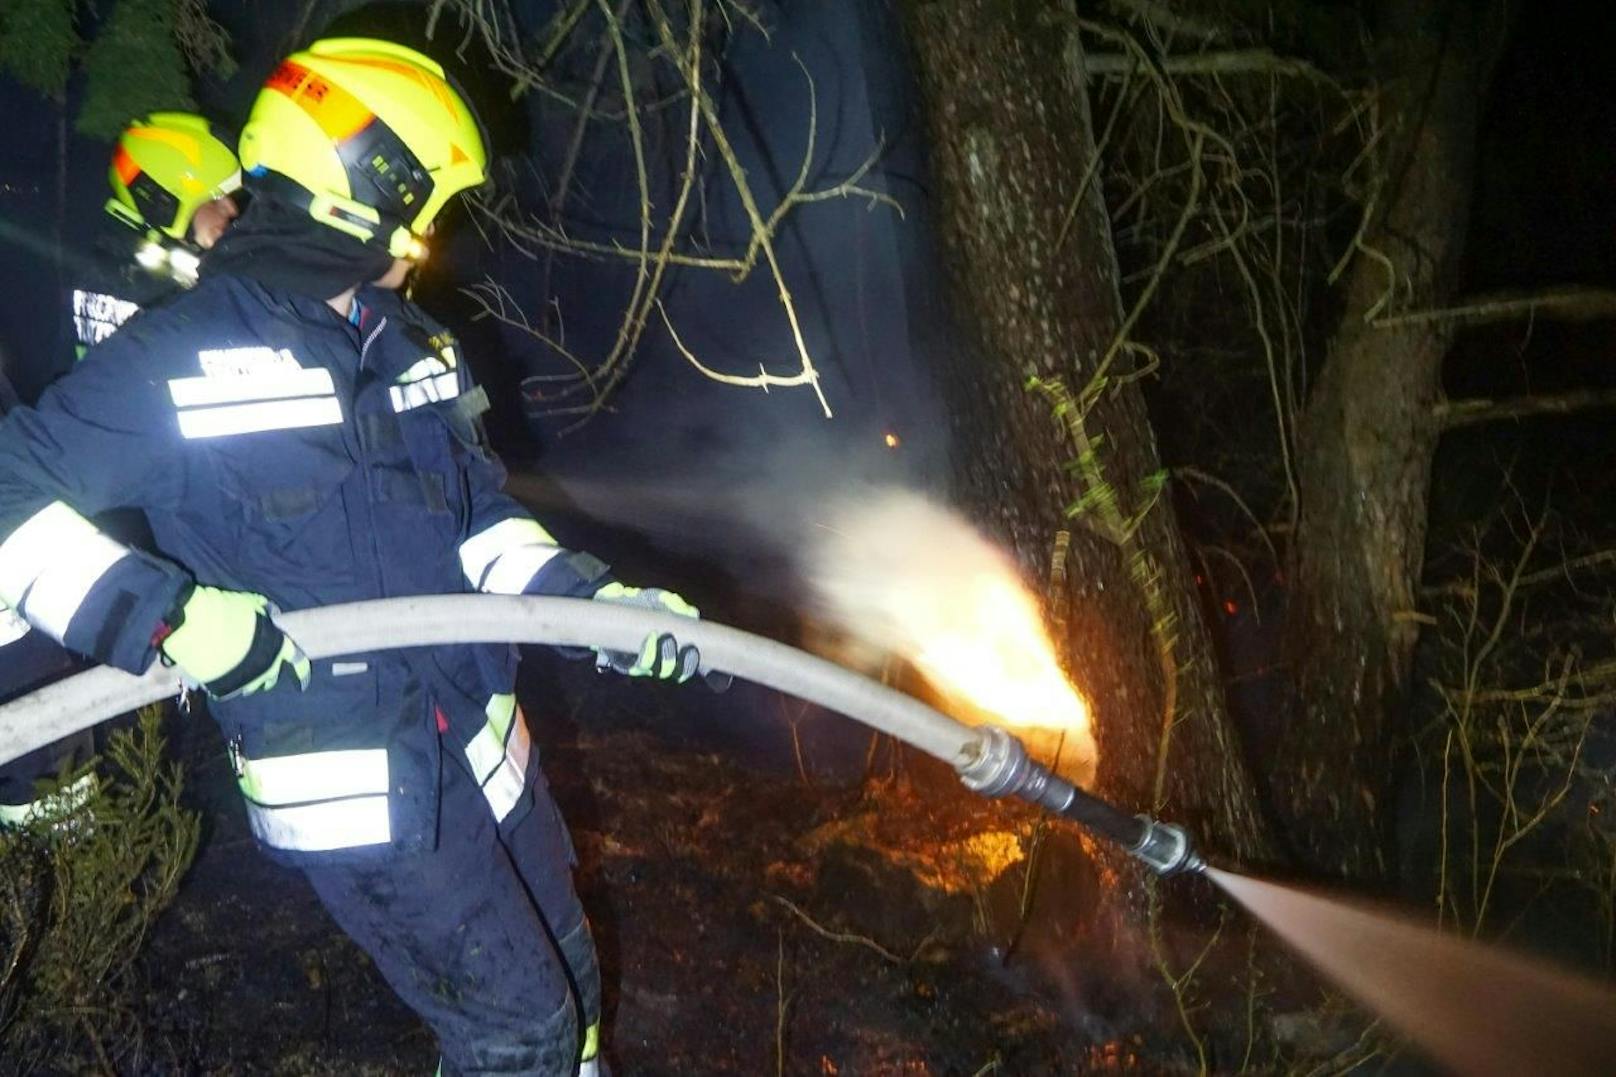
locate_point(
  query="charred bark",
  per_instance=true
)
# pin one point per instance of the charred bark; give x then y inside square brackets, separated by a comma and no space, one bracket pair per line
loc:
[1367,440]
[1011,140]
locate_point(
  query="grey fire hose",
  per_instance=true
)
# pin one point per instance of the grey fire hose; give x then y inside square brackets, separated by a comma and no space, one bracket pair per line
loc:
[988,759]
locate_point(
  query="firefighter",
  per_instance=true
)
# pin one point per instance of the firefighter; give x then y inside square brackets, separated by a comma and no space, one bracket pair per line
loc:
[173,185]
[173,182]
[300,435]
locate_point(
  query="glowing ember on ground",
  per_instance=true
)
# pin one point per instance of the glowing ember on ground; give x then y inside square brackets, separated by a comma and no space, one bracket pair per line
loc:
[960,866]
[901,576]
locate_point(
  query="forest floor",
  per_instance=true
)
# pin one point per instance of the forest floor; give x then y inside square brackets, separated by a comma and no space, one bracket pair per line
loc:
[752,920]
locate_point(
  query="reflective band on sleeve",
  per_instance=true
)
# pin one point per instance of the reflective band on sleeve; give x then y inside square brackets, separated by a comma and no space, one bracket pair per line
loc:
[317,801]
[315,828]
[50,563]
[479,553]
[426,391]
[253,418]
[515,568]
[272,383]
[498,755]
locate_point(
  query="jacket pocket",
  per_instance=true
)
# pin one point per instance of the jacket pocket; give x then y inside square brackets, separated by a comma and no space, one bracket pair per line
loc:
[339,710]
[295,529]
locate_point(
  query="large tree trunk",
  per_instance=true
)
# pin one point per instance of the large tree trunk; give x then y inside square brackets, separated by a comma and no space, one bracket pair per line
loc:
[1009,126]
[1366,444]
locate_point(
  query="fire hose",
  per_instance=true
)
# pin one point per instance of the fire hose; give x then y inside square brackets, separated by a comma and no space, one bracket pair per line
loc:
[988,759]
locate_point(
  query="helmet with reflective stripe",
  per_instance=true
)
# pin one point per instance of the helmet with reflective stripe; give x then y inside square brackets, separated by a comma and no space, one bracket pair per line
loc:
[164,168]
[372,137]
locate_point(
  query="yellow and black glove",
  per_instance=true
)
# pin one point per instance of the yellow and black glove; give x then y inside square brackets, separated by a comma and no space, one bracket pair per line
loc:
[225,642]
[660,655]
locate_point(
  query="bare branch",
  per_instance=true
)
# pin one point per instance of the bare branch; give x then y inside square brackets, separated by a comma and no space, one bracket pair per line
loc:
[1229,62]
[761,380]
[496,301]
[1163,16]
[1571,303]
[1197,475]
[726,152]
[1456,413]
[1563,571]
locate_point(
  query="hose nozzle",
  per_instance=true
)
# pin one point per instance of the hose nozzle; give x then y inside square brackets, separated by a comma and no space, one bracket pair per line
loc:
[1001,767]
[1165,848]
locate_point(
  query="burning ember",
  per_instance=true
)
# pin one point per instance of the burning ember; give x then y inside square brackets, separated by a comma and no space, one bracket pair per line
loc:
[901,576]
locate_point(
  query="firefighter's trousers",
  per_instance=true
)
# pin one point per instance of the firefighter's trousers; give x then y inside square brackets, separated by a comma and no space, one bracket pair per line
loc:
[484,937]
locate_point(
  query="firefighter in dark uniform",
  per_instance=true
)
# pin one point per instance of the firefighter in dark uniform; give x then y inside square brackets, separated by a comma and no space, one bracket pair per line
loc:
[300,435]
[172,183]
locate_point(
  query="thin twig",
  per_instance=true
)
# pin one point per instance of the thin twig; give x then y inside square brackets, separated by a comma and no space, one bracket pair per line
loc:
[848,937]
[780,1003]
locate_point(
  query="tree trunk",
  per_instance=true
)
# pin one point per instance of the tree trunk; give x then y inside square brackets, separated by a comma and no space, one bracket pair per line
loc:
[1366,443]
[1007,115]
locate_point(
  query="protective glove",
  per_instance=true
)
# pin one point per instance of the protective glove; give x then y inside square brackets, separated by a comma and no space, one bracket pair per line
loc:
[660,656]
[226,642]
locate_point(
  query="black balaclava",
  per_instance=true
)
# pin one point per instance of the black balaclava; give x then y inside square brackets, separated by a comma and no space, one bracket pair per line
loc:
[281,247]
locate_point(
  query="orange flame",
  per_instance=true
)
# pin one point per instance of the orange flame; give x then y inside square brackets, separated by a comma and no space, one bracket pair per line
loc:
[903,577]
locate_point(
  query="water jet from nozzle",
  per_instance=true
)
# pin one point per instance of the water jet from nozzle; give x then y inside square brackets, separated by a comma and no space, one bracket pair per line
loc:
[1474,1008]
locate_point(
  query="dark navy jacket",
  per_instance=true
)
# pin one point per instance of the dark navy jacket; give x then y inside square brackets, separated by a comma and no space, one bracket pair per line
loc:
[277,447]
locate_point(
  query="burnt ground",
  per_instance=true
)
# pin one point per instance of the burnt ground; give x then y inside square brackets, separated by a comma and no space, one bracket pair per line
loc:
[752,920]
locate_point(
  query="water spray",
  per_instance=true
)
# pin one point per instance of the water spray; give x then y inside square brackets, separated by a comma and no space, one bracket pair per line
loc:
[989,760]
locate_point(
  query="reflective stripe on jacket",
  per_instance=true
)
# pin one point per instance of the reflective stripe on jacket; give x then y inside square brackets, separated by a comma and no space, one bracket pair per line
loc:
[278,448]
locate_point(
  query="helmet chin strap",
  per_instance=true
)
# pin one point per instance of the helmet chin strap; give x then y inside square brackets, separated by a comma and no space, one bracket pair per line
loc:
[352,218]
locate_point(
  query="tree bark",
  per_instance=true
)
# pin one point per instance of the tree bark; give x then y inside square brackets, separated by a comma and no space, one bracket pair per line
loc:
[1011,139]
[1367,439]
